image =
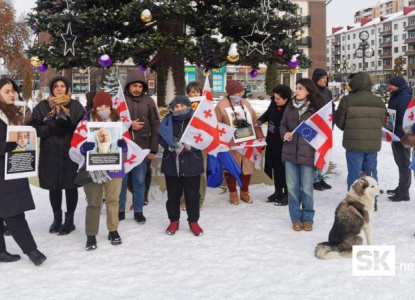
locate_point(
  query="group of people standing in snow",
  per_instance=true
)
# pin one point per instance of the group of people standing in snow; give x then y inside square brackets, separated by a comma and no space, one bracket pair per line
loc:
[289,159]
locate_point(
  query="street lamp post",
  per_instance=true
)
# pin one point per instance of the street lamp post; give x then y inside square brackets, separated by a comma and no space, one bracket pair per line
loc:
[344,68]
[364,51]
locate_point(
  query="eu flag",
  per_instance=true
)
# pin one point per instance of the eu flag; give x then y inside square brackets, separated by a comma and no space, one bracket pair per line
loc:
[307,132]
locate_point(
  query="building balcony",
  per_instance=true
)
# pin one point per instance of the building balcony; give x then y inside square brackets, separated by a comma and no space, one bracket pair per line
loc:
[385,33]
[336,43]
[410,52]
[305,41]
[385,55]
[409,27]
[385,44]
[336,62]
[410,40]
[337,52]
[387,67]
[304,20]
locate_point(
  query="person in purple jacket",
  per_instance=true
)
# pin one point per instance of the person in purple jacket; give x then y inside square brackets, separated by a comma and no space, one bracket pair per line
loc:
[108,181]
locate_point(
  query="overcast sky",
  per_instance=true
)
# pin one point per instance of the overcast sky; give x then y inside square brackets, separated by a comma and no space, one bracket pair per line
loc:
[339,12]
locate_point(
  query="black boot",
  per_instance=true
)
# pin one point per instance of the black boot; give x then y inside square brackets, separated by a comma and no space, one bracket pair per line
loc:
[325,185]
[317,186]
[399,197]
[275,196]
[392,192]
[7,257]
[91,242]
[57,222]
[283,200]
[139,217]
[68,226]
[121,215]
[115,238]
[36,257]
[6,231]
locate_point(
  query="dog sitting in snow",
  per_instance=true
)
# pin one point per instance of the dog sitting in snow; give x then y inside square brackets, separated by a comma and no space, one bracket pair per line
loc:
[352,215]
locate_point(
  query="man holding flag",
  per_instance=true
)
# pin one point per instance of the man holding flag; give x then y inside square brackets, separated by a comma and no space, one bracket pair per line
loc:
[145,123]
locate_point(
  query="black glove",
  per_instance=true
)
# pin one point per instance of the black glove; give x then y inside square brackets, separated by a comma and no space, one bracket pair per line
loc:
[121,144]
[65,123]
[10,146]
[87,146]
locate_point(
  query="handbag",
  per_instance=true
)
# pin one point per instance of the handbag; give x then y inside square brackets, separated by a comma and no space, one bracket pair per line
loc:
[408,140]
[82,177]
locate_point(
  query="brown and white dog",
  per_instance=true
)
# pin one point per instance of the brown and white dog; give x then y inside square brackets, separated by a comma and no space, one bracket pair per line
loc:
[353,214]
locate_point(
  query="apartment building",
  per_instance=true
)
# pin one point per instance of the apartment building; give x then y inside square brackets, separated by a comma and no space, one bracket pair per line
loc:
[381,8]
[389,36]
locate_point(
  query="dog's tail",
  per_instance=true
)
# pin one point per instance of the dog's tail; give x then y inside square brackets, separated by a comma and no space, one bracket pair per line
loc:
[326,251]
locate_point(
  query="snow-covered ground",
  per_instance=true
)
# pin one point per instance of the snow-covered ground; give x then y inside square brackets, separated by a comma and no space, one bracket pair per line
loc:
[247,251]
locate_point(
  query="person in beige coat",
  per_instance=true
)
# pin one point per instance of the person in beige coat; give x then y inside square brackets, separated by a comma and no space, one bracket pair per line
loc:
[235,90]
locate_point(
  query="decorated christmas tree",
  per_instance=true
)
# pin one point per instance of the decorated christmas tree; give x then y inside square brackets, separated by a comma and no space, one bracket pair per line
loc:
[110,85]
[398,68]
[162,35]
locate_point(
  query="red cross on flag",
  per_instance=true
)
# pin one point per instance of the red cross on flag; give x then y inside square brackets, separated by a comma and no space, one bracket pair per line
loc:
[252,150]
[135,155]
[205,133]
[409,117]
[207,91]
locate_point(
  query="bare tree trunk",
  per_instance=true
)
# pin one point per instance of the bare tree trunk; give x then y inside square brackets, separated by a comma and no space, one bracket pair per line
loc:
[168,58]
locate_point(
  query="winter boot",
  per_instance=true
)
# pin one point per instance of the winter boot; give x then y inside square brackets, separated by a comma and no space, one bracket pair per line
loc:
[7,257]
[317,186]
[233,198]
[195,228]
[399,197]
[283,201]
[307,226]
[173,227]
[139,217]
[115,238]
[91,243]
[245,197]
[57,222]
[297,226]
[36,257]
[68,225]
[392,192]
[121,215]
[325,185]
[274,197]
[6,230]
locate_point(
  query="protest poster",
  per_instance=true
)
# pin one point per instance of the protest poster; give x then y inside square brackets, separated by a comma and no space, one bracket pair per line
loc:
[241,120]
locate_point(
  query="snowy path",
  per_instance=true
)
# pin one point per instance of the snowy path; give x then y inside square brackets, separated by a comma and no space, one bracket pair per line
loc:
[247,252]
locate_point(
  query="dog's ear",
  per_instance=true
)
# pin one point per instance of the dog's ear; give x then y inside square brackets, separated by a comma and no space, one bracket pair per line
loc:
[364,183]
[363,174]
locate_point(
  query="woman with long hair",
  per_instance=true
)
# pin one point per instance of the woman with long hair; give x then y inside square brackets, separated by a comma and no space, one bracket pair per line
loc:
[298,155]
[55,120]
[15,195]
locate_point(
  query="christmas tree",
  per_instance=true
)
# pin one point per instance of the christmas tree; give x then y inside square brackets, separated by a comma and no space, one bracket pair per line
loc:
[398,69]
[110,85]
[164,34]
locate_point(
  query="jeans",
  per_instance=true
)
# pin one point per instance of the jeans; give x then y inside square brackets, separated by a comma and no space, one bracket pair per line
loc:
[300,179]
[360,161]
[318,175]
[139,186]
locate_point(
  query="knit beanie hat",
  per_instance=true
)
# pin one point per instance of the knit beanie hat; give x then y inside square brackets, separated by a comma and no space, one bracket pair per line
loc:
[179,100]
[318,73]
[397,81]
[233,87]
[56,79]
[102,98]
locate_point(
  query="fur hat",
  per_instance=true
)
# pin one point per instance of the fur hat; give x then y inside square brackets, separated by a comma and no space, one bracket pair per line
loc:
[397,81]
[233,87]
[102,98]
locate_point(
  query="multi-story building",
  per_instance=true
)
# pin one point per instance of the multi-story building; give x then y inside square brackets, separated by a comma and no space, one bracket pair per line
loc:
[382,8]
[389,36]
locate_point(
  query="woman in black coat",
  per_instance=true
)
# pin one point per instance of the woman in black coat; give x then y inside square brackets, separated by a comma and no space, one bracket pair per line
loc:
[55,120]
[274,167]
[15,195]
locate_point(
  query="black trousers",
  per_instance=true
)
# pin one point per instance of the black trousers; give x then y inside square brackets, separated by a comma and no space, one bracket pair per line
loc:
[402,158]
[20,231]
[176,186]
[279,176]
[148,179]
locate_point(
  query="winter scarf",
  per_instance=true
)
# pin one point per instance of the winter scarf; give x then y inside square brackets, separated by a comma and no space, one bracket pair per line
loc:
[301,106]
[58,106]
[166,126]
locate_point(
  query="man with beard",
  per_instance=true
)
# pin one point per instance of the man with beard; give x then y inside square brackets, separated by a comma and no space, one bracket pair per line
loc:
[144,130]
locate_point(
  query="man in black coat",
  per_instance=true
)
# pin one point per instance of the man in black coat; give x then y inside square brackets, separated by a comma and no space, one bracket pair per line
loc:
[401,95]
[320,78]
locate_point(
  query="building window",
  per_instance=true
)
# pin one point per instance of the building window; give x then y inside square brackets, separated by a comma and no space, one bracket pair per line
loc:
[360,65]
[412,22]
[328,59]
[354,36]
[348,56]
[366,65]
[328,42]
[412,34]
[403,48]
[348,37]
[373,64]
[379,63]
[379,51]
[348,47]
[395,38]
[372,32]
[372,42]
[395,26]
[396,50]
[379,30]
[380,41]
[342,48]
[354,46]
[404,24]
[388,62]
[404,36]
[342,37]
[413,72]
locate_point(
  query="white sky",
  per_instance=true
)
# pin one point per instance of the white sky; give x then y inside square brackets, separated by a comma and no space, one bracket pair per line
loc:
[339,12]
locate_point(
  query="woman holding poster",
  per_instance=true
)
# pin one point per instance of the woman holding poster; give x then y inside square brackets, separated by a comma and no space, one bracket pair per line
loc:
[233,110]
[55,120]
[15,195]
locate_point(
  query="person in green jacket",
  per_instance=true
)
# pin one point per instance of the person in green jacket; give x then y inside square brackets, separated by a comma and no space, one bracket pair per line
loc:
[361,116]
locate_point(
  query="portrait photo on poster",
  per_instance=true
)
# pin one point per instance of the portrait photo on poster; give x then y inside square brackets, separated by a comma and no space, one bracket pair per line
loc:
[105,155]
[241,120]
[21,162]
[390,120]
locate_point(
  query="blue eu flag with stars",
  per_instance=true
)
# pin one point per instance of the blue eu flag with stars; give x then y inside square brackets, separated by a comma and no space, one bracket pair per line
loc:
[307,132]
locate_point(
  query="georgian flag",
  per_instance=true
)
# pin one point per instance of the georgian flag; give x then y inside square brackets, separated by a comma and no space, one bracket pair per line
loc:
[207,91]
[388,136]
[204,132]
[318,132]
[409,116]
[135,155]
[252,150]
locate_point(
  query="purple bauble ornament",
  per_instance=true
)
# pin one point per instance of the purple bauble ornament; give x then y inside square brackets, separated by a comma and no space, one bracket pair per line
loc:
[42,68]
[143,69]
[33,26]
[280,52]
[105,60]
[293,63]
[254,73]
